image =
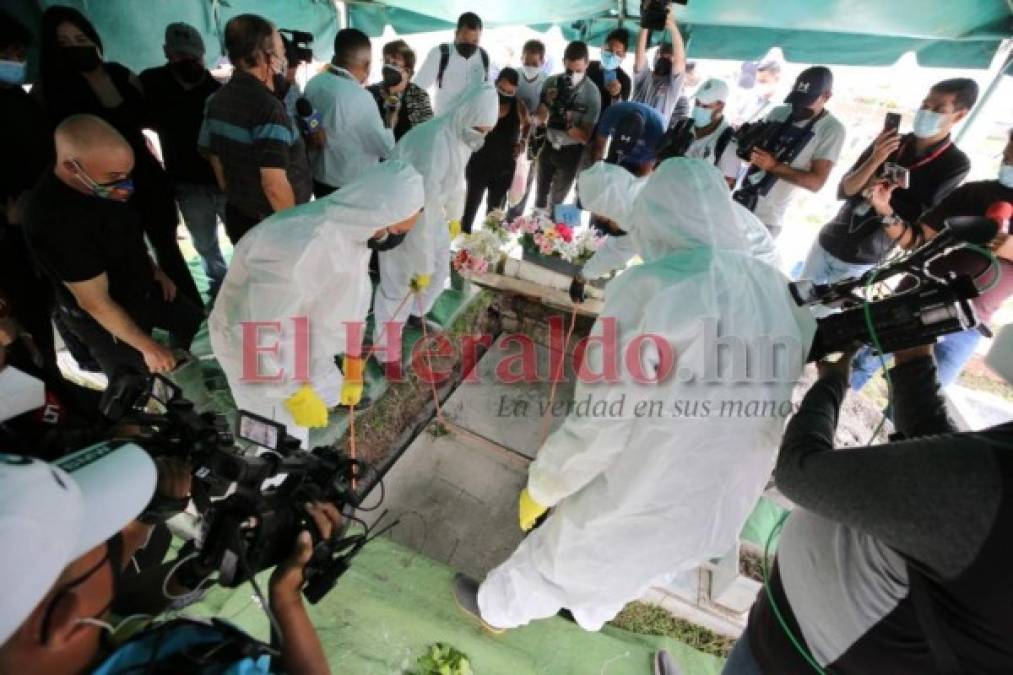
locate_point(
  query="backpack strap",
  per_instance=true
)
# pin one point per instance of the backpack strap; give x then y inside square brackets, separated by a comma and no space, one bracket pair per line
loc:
[444,61]
[722,144]
[485,62]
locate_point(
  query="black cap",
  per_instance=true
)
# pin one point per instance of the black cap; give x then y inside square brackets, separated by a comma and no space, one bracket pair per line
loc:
[810,85]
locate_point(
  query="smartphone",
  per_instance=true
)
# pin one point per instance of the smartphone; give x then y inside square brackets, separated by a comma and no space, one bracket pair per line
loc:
[608,77]
[892,122]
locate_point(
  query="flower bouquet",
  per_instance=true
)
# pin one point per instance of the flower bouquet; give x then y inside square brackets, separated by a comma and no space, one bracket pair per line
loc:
[554,245]
[478,252]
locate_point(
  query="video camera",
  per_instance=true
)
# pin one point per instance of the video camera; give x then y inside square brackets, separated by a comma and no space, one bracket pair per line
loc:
[298,45]
[653,13]
[676,141]
[750,135]
[767,135]
[561,104]
[906,318]
[251,503]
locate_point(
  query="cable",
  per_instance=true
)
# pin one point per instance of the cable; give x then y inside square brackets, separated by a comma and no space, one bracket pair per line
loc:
[870,324]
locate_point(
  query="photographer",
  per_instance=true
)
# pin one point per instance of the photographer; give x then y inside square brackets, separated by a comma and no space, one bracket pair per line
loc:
[713,137]
[894,560]
[64,559]
[926,159]
[980,198]
[804,145]
[569,107]
[660,86]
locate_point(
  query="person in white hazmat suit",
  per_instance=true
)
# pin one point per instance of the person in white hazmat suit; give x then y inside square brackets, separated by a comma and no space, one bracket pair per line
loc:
[610,193]
[638,497]
[439,149]
[309,261]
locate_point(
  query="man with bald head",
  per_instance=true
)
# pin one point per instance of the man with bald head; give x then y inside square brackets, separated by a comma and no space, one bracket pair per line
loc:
[90,244]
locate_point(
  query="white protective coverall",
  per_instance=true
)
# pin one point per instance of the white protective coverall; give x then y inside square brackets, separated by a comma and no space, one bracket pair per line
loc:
[641,494]
[611,192]
[439,149]
[308,261]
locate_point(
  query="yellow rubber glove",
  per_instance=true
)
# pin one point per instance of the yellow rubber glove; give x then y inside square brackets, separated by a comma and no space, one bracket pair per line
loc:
[351,388]
[420,282]
[529,510]
[307,408]
[455,229]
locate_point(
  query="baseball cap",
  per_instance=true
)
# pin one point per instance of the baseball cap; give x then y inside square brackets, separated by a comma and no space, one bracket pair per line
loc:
[712,91]
[810,84]
[52,514]
[182,38]
[1000,355]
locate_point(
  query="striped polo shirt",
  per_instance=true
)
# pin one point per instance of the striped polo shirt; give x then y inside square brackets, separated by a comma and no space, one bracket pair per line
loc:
[247,128]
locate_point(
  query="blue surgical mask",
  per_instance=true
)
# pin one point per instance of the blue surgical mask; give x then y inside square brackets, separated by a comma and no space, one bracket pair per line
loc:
[609,60]
[1006,175]
[702,116]
[12,72]
[928,123]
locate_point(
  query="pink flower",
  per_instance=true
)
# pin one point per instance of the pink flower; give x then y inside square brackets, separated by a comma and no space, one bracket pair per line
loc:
[565,233]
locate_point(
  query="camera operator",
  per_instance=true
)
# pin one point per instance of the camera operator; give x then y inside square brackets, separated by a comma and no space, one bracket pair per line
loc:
[809,133]
[569,108]
[69,533]
[856,239]
[713,137]
[979,198]
[894,560]
[660,86]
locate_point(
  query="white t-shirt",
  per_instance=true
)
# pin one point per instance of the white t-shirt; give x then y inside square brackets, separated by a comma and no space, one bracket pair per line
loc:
[704,148]
[460,75]
[826,144]
[356,136]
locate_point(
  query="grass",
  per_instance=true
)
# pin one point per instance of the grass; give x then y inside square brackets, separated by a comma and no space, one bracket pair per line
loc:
[647,619]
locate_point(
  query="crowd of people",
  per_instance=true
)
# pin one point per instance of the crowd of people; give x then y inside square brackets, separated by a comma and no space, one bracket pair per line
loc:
[343,198]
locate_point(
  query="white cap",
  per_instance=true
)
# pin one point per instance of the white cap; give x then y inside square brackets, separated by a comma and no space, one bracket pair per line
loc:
[52,514]
[712,91]
[1000,355]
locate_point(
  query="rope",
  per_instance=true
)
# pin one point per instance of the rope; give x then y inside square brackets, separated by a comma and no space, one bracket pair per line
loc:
[547,415]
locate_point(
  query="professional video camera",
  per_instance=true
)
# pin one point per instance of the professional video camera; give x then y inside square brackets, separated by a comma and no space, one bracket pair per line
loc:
[751,135]
[676,141]
[768,135]
[653,13]
[251,504]
[298,45]
[560,105]
[924,307]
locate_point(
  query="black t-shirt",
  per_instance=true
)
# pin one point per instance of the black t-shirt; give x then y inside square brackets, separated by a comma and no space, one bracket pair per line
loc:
[597,75]
[176,113]
[26,143]
[76,237]
[856,234]
[974,199]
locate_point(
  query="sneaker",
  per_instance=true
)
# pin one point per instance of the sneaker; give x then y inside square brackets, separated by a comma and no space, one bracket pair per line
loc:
[664,665]
[466,594]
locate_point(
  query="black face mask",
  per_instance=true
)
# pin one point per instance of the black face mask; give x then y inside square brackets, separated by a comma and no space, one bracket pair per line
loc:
[188,71]
[281,86]
[387,243]
[800,113]
[504,99]
[466,49]
[392,76]
[663,68]
[83,59]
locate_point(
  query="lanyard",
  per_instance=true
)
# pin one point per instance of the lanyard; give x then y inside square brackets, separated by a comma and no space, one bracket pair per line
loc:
[925,160]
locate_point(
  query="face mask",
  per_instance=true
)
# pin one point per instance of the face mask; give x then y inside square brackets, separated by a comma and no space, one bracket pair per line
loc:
[928,123]
[800,113]
[466,49]
[387,243]
[83,59]
[531,72]
[474,139]
[609,60]
[575,77]
[12,72]
[505,98]
[663,67]
[188,71]
[117,191]
[702,116]
[392,76]
[1006,175]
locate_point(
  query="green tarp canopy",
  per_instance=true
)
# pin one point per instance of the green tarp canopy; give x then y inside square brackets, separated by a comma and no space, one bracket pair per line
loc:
[946,33]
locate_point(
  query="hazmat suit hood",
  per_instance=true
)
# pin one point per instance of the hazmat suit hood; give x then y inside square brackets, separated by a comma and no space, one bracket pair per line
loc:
[609,190]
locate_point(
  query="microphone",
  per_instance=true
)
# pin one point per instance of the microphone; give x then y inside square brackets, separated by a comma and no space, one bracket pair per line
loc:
[310,122]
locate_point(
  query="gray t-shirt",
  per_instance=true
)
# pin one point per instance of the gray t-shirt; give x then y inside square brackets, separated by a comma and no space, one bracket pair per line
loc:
[584,106]
[661,94]
[529,90]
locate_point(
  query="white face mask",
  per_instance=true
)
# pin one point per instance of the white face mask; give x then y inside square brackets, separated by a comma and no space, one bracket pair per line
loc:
[928,123]
[576,77]
[702,116]
[531,72]
[1006,175]
[474,139]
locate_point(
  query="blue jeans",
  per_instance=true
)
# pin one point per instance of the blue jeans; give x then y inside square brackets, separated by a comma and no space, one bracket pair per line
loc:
[741,661]
[952,353]
[823,268]
[202,206]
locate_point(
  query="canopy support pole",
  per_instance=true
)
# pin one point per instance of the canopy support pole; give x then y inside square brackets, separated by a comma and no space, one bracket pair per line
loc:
[341,9]
[989,91]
